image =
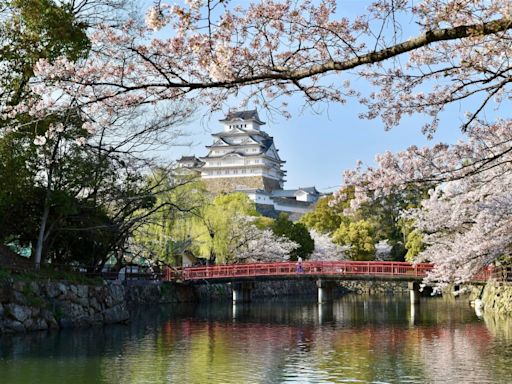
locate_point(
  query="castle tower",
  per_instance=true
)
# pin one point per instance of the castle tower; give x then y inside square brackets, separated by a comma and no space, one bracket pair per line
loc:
[242,157]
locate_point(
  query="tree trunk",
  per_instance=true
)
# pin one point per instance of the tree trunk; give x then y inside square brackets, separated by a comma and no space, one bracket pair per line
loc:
[40,237]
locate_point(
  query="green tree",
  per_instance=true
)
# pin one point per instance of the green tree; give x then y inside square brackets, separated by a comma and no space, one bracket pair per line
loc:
[296,232]
[326,217]
[167,235]
[360,236]
[32,30]
[214,229]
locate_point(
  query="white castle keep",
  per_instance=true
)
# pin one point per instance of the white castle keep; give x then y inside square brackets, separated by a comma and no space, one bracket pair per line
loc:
[244,158]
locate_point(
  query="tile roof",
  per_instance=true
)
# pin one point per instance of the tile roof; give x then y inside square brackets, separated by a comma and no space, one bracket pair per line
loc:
[244,115]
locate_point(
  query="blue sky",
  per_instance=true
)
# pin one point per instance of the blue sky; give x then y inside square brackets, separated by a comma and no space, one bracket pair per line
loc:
[318,147]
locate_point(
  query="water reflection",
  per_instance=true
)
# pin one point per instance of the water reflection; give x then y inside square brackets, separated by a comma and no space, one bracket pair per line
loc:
[364,339]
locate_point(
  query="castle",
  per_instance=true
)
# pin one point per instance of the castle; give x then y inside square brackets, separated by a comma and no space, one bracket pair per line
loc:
[244,158]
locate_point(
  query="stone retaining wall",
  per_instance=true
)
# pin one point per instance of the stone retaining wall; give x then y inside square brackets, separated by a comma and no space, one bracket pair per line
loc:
[42,305]
[28,306]
[299,288]
[137,294]
[497,298]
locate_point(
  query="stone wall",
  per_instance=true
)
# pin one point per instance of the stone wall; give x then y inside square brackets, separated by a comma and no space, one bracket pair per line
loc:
[139,294]
[376,287]
[299,288]
[497,298]
[28,306]
[230,184]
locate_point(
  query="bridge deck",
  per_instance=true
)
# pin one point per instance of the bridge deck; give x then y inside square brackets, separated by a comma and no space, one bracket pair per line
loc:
[335,270]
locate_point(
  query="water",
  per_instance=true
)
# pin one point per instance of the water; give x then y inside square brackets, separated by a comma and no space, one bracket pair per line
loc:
[354,340]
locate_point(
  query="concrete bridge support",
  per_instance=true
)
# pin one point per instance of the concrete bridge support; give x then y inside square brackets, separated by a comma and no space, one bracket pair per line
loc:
[414,292]
[325,313]
[325,290]
[242,291]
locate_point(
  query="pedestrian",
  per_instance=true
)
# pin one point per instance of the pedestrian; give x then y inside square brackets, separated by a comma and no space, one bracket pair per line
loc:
[299,269]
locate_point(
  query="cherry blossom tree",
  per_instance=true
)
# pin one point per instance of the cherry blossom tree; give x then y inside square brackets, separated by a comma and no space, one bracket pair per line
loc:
[325,249]
[260,245]
[270,49]
[464,222]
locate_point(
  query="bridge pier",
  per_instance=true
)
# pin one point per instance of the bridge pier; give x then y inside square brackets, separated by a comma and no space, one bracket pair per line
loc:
[325,312]
[242,291]
[325,290]
[414,292]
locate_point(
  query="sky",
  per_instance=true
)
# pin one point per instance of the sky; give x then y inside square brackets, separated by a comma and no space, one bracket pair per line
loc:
[319,146]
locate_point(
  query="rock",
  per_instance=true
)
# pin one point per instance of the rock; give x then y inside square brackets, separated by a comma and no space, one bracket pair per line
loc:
[82,291]
[52,290]
[117,314]
[62,288]
[18,298]
[74,311]
[49,318]
[116,291]
[35,288]
[83,301]
[73,290]
[38,325]
[14,326]
[97,318]
[2,311]
[28,324]
[19,312]
[35,312]
[93,302]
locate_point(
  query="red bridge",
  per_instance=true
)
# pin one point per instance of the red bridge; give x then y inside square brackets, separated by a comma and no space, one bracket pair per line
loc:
[326,273]
[339,270]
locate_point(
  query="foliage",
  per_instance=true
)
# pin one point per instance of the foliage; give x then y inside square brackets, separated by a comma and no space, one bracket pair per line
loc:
[359,235]
[167,235]
[336,215]
[326,217]
[216,228]
[462,225]
[296,232]
[253,244]
[414,245]
[34,30]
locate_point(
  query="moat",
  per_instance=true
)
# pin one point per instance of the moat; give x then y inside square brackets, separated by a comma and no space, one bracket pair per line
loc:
[369,339]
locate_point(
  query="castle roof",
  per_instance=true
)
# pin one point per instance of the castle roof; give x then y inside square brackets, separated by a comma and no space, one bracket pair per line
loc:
[197,162]
[290,193]
[241,132]
[243,115]
[241,154]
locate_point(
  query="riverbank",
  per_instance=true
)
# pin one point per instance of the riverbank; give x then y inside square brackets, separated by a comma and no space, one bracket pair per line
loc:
[46,305]
[496,298]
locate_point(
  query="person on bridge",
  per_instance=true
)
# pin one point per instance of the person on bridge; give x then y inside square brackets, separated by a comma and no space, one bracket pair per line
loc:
[299,268]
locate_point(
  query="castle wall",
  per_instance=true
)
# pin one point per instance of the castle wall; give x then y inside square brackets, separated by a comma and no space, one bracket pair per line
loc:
[230,184]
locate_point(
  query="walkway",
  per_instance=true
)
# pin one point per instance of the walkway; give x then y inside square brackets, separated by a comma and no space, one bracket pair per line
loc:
[339,270]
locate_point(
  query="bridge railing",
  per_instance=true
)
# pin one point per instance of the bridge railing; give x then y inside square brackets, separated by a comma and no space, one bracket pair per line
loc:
[363,268]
